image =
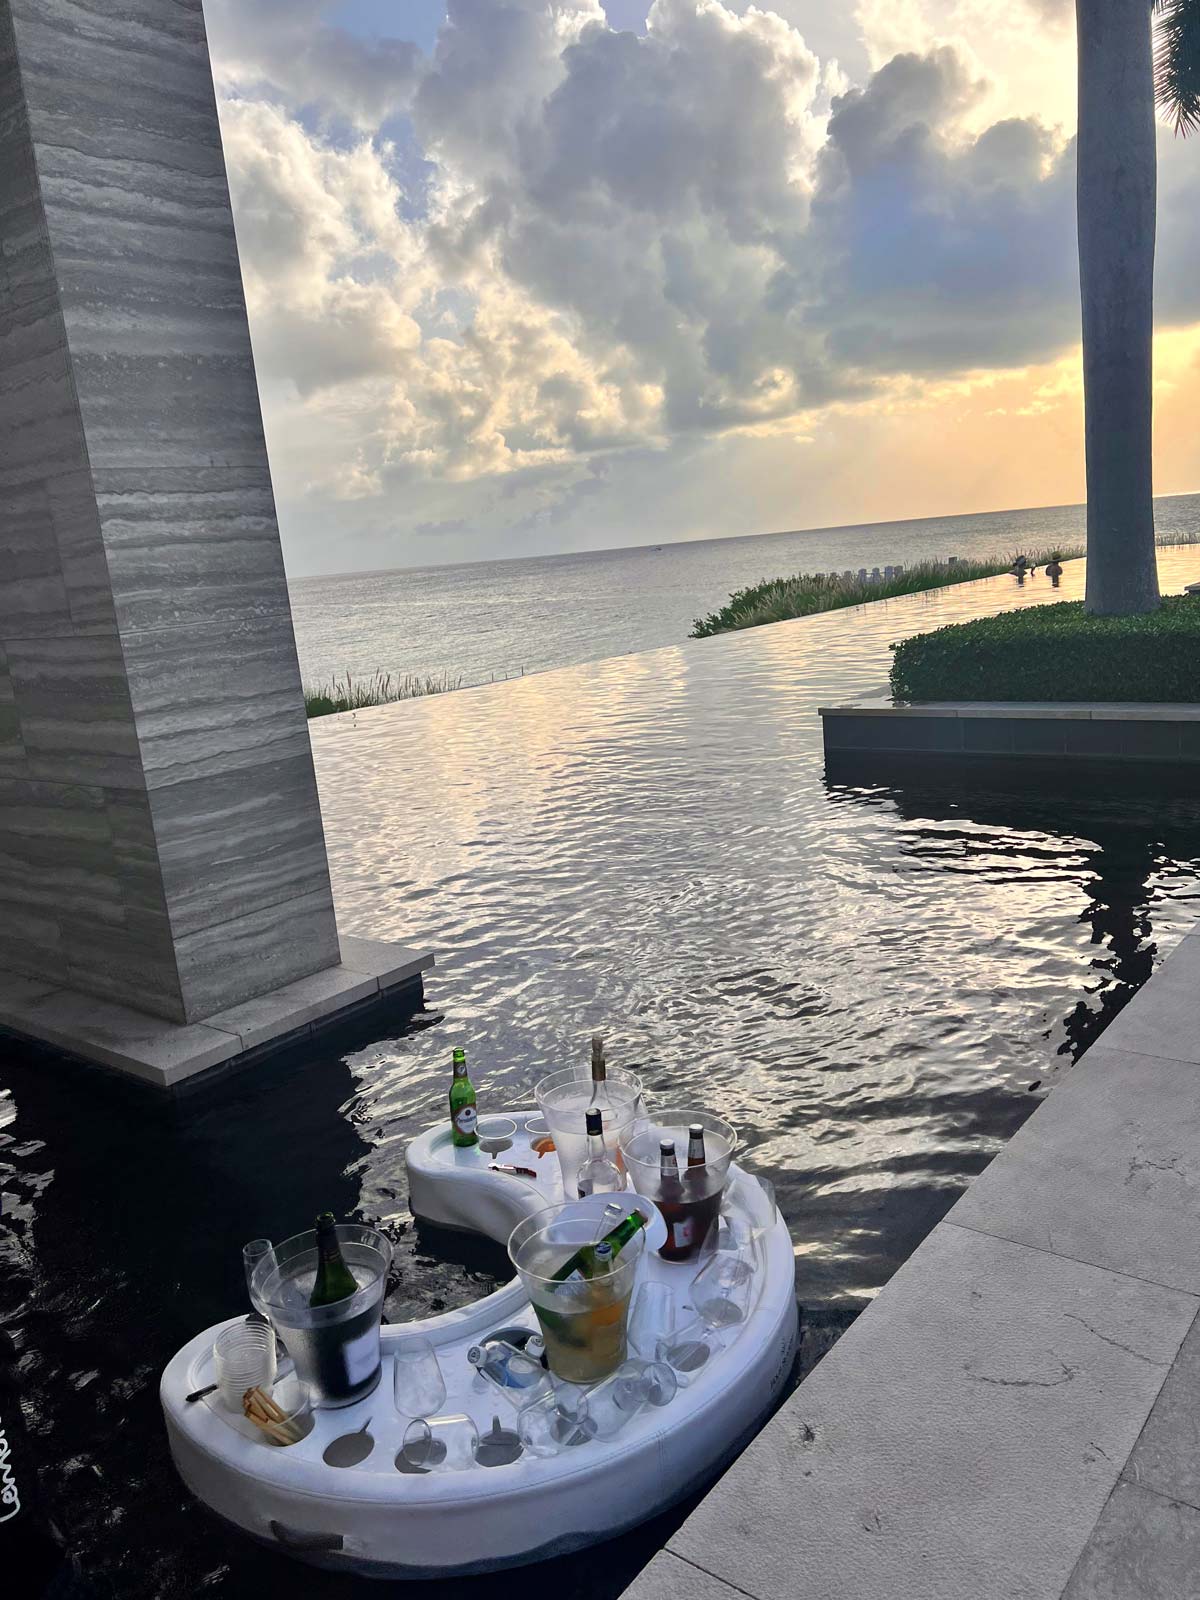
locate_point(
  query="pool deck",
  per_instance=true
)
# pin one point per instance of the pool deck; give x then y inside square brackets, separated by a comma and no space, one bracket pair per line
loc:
[1017,1414]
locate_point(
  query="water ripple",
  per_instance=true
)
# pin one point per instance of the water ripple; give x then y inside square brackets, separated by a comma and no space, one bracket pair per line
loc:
[874,980]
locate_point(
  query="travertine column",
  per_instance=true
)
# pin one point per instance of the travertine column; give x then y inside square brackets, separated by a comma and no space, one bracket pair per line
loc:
[160,838]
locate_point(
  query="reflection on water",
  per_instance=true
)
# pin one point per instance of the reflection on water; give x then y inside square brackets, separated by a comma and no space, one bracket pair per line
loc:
[874,979]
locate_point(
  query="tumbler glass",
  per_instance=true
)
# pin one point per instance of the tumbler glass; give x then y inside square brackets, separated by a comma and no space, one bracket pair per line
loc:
[646,1383]
[613,1403]
[495,1134]
[254,1252]
[661,1328]
[243,1358]
[750,1208]
[722,1290]
[297,1422]
[417,1382]
[554,1422]
[439,1444]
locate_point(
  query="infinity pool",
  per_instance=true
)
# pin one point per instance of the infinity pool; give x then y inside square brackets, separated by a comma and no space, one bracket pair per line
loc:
[875,981]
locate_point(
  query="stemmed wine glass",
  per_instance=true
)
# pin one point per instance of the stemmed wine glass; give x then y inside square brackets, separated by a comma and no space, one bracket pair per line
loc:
[257,1251]
[722,1290]
[662,1329]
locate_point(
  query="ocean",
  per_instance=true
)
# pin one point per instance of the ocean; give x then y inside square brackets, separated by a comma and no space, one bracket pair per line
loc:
[498,619]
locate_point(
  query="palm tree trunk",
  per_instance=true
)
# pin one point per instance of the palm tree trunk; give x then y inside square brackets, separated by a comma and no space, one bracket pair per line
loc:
[1116,201]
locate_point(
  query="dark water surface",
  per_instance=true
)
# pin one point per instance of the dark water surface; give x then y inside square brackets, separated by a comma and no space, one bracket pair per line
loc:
[875,980]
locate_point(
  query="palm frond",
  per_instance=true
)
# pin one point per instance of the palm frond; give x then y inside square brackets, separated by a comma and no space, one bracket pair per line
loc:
[1177,63]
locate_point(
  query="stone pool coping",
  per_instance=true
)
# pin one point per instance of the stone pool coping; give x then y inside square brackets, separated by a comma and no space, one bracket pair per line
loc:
[373,973]
[1076,730]
[1015,1413]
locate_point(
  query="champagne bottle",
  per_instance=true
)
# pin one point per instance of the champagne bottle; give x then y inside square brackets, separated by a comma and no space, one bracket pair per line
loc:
[599,1174]
[463,1115]
[600,1096]
[334,1280]
[583,1259]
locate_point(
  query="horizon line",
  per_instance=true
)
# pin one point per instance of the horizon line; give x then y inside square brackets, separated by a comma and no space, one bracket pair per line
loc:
[720,538]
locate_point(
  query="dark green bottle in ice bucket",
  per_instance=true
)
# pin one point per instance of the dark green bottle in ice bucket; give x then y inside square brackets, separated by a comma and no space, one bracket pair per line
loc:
[334,1280]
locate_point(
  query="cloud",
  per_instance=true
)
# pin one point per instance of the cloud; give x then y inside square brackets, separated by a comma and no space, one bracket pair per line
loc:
[287,50]
[679,197]
[643,196]
[941,253]
[581,245]
[1020,49]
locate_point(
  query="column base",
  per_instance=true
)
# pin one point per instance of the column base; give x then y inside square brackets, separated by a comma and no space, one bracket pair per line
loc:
[170,1054]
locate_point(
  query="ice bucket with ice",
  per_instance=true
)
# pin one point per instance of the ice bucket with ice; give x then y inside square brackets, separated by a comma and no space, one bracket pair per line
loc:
[583,1317]
[335,1347]
[563,1099]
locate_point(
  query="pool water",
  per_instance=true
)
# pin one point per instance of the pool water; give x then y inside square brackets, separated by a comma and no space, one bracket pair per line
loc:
[874,980]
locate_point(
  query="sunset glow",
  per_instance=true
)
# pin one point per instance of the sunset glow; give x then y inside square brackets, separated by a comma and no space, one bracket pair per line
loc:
[550,276]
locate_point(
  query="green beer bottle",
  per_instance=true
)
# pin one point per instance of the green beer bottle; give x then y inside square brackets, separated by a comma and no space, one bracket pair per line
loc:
[334,1280]
[463,1115]
[584,1259]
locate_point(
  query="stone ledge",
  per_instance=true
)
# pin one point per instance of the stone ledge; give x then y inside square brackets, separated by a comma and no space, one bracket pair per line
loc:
[960,1440]
[1145,1546]
[167,1054]
[1048,710]
[1112,731]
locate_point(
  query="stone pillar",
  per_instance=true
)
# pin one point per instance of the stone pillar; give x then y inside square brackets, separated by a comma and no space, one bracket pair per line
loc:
[160,836]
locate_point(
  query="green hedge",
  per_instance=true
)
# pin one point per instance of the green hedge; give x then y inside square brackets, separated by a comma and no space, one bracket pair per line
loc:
[1057,652]
[783,599]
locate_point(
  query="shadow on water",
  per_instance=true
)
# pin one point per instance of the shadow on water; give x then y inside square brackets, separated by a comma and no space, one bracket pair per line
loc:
[1126,842]
[127,1219]
[124,1218]
[1123,827]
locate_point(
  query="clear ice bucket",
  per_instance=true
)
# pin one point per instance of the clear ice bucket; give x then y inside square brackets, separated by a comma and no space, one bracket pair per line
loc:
[336,1347]
[584,1321]
[563,1099]
[691,1203]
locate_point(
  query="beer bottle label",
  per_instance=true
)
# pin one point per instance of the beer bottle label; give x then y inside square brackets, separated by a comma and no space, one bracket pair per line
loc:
[465,1119]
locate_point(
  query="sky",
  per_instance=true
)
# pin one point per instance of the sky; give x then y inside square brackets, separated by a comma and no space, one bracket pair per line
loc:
[528,276]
